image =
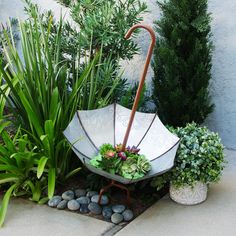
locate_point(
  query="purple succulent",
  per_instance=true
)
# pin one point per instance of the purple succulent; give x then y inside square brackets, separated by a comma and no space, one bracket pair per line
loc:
[133,149]
[122,156]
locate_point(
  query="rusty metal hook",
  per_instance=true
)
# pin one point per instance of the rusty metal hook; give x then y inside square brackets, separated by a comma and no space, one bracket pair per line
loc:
[142,78]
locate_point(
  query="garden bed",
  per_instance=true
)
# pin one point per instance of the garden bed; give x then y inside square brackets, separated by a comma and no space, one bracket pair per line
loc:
[146,196]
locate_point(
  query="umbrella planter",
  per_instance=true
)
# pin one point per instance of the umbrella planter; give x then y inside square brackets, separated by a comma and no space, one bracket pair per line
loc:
[115,125]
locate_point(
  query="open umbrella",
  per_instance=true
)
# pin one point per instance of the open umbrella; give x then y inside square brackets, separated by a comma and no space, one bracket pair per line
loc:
[116,124]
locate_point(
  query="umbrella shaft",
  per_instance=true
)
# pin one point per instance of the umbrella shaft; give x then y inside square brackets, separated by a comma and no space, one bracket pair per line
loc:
[142,79]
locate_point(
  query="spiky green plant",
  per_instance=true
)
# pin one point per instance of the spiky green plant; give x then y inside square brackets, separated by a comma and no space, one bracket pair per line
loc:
[40,98]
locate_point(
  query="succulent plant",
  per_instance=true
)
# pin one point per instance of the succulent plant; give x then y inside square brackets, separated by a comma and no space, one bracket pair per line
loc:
[109,154]
[129,164]
[133,149]
[143,164]
[122,156]
[118,147]
[106,147]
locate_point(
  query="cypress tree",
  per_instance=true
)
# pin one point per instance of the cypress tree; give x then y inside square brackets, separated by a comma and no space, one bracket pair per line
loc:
[182,62]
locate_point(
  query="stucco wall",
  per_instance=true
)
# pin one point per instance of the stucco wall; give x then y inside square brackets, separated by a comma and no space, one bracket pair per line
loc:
[223,84]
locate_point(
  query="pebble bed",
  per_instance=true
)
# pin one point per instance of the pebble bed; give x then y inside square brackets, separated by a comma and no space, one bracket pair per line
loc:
[84,201]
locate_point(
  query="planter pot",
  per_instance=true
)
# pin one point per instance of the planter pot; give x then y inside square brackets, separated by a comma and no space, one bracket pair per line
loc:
[188,195]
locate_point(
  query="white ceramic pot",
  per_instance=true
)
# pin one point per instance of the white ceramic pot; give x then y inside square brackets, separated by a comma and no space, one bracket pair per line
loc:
[188,195]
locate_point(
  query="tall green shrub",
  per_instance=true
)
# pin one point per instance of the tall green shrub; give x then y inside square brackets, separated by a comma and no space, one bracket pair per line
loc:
[103,24]
[182,62]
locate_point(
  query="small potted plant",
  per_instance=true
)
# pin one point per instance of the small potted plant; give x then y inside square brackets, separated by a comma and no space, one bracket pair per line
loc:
[199,162]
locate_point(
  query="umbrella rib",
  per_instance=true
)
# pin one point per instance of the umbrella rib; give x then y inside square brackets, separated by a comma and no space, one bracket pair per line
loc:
[77,149]
[114,123]
[166,151]
[147,130]
[86,133]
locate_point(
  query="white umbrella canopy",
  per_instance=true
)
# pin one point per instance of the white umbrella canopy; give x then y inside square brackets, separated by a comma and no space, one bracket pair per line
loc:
[88,130]
[116,124]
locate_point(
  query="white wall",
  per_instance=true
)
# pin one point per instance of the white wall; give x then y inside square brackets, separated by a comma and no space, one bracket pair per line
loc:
[223,85]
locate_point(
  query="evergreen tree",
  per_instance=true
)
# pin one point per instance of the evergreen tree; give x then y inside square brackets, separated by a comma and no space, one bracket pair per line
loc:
[182,62]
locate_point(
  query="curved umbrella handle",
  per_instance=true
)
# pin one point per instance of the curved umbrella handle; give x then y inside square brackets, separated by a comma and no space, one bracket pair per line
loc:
[142,79]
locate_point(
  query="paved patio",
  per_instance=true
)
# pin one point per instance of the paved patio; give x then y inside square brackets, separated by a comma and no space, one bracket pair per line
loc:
[25,218]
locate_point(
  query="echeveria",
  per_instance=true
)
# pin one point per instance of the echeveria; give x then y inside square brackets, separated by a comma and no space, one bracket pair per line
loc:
[143,164]
[109,154]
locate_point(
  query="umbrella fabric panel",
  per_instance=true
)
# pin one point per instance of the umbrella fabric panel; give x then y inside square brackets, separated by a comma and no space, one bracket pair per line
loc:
[157,141]
[164,162]
[141,124]
[99,124]
[77,137]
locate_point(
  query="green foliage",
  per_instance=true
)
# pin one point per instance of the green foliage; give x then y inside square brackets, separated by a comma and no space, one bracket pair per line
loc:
[19,162]
[10,28]
[104,84]
[128,97]
[39,96]
[129,164]
[65,2]
[182,62]
[101,86]
[103,24]
[200,157]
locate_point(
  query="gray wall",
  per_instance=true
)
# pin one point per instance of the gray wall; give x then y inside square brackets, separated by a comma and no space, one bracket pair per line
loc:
[223,85]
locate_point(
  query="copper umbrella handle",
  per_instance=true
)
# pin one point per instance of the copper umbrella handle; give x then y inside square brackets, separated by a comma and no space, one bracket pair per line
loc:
[142,79]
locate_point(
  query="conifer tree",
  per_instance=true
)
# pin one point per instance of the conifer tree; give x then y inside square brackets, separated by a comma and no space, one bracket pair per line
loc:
[182,62]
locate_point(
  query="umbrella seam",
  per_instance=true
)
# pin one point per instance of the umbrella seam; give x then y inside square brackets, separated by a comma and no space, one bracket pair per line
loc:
[147,130]
[77,149]
[166,151]
[86,133]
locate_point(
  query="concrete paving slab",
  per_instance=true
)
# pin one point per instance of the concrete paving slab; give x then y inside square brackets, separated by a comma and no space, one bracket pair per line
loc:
[214,217]
[25,218]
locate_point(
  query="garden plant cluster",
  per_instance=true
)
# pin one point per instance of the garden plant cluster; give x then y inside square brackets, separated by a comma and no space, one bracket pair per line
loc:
[128,163]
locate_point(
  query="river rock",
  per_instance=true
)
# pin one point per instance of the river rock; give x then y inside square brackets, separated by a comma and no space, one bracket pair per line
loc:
[94,208]
[62,205]
[107,213]
[68,195]
[104,199]
[116,218]
[73,205]
[84,208]
[54,201]
[91,193]
[83,200]
[128,215]
[118,208]
[80,193]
